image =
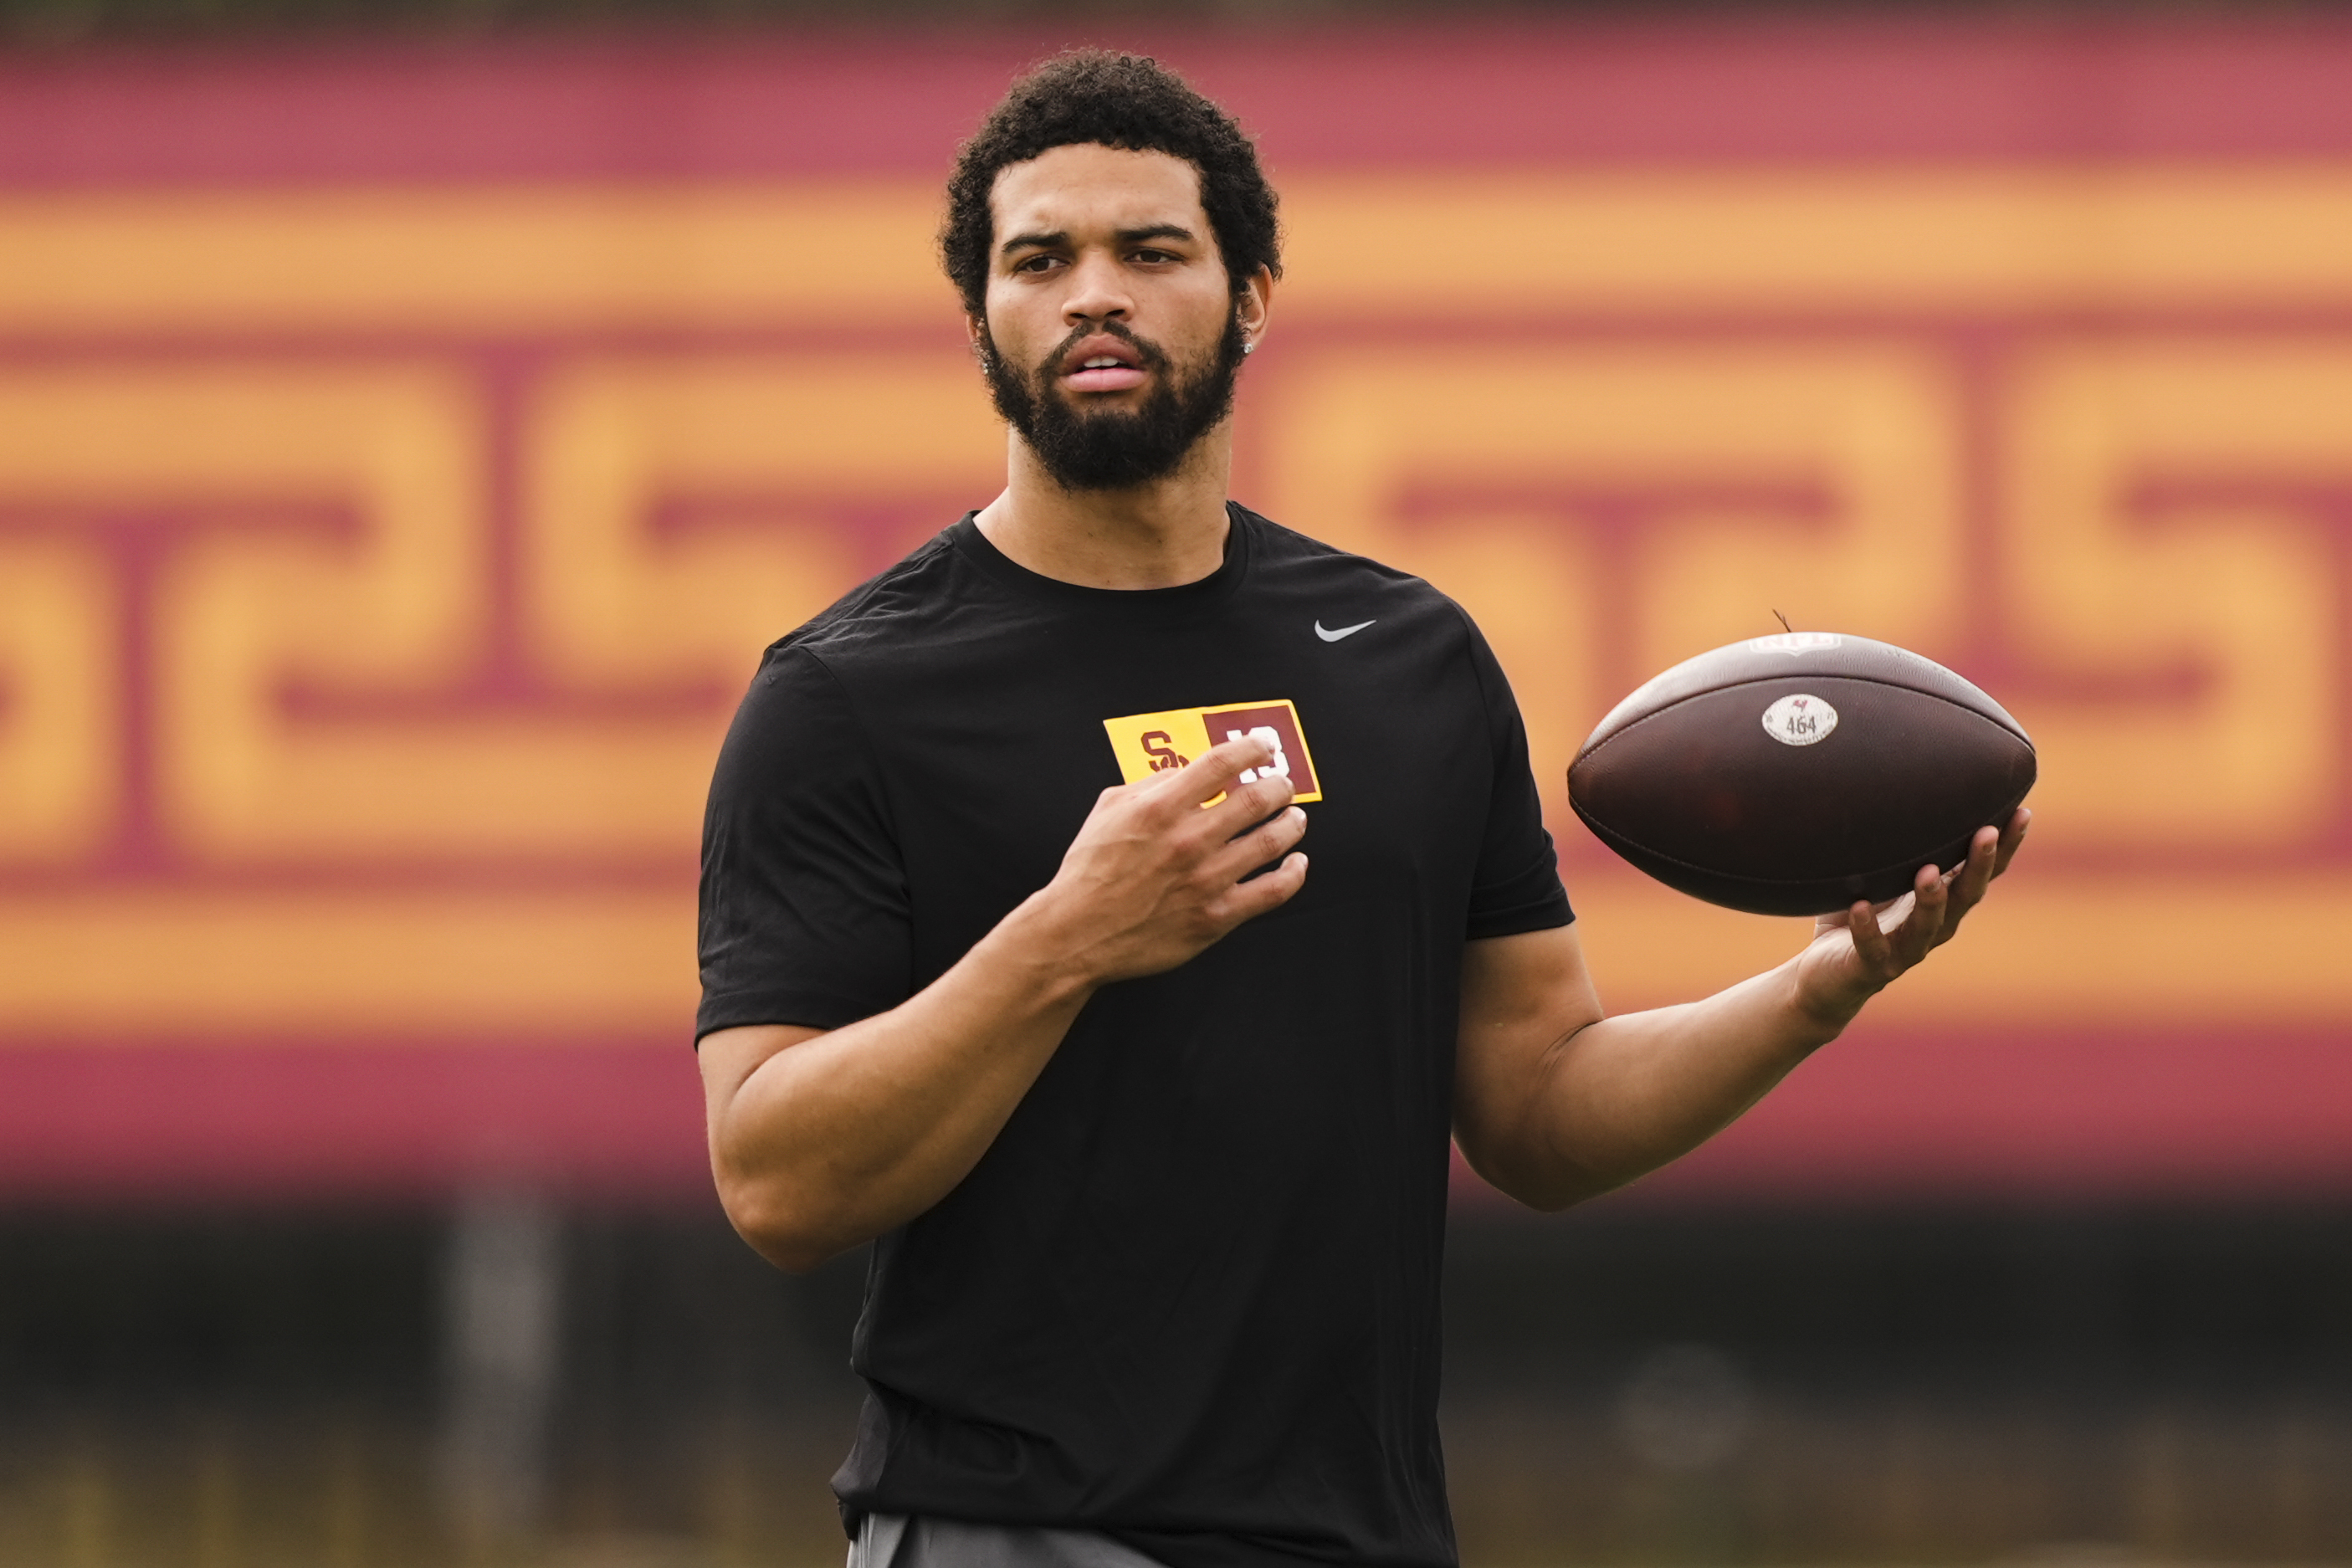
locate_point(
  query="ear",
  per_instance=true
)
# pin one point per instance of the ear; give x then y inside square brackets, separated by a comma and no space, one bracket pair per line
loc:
[975,332]
[1251,304]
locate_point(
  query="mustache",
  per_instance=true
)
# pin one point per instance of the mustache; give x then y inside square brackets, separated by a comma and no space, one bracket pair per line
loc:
[1151,353]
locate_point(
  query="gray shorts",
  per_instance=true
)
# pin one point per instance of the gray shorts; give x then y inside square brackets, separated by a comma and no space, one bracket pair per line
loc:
[896,1540]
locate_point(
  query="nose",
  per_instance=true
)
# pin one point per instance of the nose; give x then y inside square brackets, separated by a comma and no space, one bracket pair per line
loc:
[1097,290]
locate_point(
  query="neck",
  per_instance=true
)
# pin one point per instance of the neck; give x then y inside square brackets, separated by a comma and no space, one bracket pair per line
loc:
[1162,534]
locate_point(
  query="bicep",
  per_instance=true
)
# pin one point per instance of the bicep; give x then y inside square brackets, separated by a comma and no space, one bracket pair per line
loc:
[1522,995]
[730,1057]
[805,912]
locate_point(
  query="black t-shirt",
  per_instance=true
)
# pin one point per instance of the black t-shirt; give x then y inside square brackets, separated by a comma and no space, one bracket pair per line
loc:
[1190,1295]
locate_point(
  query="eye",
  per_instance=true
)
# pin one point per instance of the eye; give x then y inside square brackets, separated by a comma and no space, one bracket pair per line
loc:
[1039,262]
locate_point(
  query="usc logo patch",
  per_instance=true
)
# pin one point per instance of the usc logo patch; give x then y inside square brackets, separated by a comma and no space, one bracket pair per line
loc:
[1149,743]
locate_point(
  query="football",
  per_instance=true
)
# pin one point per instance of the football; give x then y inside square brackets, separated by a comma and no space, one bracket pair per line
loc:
[1793,774]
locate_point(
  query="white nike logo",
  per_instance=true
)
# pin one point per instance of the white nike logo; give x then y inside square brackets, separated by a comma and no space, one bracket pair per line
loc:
[1342,632]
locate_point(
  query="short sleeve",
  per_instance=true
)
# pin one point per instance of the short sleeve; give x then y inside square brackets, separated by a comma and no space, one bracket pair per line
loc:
[805,914]
[1517,886]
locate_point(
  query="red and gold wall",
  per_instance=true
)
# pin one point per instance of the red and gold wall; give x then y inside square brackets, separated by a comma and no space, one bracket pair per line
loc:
[404,456]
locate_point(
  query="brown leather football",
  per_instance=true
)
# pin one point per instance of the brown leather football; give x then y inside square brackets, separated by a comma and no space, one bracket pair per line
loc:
[1793,774]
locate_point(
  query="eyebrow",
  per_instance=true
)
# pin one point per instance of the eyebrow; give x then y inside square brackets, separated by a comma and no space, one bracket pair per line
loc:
[1125,237]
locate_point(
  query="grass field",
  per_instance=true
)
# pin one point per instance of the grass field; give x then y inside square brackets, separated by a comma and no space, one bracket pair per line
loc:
[1628,1388]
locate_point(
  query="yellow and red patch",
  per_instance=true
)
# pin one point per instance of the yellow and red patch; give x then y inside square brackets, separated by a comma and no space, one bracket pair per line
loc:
[1149,743]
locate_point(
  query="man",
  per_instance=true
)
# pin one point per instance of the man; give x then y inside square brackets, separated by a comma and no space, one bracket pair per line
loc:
[1149,1120]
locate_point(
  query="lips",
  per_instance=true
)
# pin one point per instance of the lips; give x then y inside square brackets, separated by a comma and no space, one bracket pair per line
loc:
[1102,364]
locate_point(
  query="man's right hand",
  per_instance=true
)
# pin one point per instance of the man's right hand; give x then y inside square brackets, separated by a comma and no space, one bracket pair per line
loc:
[1155,874]
[820,1140]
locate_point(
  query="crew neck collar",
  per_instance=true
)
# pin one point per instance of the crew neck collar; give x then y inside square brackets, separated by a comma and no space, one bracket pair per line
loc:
[1213,589]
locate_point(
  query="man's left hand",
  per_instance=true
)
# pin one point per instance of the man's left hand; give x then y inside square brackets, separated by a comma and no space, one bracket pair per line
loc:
[1857,952]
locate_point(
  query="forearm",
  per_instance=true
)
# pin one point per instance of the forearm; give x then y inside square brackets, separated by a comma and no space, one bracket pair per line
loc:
[832,1141]
[1555,1101]
[1622,1096]
[820,1140]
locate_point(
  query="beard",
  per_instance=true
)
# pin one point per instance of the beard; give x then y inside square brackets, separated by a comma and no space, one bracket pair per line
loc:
[1114,449]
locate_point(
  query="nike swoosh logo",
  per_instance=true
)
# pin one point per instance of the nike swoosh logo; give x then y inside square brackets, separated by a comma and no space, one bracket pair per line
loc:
[1342,632]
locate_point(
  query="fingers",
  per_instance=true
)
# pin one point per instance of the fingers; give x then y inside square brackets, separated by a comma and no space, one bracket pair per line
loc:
[1974,874]
[1249,900]
[1262,845]
[1870,944]
[1244,804]
[1989,853]
[2011,837]
[1890,938]
[1988,856]
[1253,825]
[1926,923]
[1152,879]
[1216,770]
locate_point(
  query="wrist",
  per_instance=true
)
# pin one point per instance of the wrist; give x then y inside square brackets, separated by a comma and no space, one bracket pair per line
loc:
[1817,1014]
[1047,951]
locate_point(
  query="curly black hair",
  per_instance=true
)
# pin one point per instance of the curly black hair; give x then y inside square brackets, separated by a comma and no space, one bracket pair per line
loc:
[1131,102]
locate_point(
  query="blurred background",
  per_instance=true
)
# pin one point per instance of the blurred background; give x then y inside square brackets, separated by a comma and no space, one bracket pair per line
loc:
[415,417]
